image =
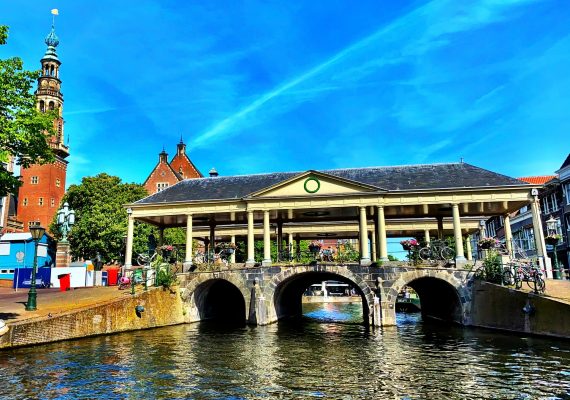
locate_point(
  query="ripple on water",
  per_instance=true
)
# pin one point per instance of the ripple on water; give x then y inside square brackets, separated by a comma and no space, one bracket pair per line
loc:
[327,354]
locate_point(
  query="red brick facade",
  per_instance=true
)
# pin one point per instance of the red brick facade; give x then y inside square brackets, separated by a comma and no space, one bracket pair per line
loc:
[166,174]
[43,187]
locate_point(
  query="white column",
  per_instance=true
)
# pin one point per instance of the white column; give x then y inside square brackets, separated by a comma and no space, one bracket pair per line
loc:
[426,236]
[539,238]
[382,242]
[460,255]
[250,240]
[233,255]
[364,250]
[188,256]
[469,249]
[290,243]
[129,244]
[266,239]
[373,245]
[508,234]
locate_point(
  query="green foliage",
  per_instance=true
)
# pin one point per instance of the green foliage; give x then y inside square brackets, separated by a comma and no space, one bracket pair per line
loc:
[493,268]
[24,130]
[392,258]
[101,219]
[165,275]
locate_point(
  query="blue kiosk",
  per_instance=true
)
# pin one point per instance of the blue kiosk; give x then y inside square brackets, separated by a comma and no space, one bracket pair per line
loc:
[17,259]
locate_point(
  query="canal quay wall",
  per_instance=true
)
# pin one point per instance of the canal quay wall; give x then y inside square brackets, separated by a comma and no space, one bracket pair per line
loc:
[159,308]
[507,309]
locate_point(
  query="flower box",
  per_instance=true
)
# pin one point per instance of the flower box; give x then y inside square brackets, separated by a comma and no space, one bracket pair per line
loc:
[553,241]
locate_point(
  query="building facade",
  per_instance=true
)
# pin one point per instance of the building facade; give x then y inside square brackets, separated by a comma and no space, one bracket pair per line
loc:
[166,174]
[43,186]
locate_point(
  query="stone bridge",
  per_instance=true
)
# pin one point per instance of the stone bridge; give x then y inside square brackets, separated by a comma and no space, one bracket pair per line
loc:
[263,295]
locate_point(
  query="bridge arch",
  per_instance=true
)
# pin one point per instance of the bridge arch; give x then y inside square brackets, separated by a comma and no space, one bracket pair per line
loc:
[442,295]
[284,293]
[222,297]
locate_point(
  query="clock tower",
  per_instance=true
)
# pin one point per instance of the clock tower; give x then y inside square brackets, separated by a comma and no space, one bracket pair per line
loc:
[43,186]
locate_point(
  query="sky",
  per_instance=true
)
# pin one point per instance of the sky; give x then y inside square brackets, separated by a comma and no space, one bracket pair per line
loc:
[266,86]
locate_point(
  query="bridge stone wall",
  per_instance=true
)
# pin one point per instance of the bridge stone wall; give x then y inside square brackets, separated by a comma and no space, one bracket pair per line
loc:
[261,288]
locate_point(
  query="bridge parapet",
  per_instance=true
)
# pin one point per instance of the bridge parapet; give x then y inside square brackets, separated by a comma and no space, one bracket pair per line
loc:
[269,292]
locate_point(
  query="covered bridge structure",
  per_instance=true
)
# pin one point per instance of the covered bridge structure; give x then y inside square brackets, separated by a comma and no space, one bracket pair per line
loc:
[374,202]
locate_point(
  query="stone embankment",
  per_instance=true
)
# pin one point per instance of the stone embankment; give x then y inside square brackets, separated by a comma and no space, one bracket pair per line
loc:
[522,311]
[150,309]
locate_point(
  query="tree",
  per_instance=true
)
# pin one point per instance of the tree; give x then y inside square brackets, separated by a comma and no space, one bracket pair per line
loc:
[101,218]
[24,130]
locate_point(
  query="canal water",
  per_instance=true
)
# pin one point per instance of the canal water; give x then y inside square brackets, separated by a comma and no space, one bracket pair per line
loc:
[327,354]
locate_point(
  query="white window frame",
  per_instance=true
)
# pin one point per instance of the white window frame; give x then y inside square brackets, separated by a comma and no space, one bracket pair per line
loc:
[34,180]
[566,191]
[160,186]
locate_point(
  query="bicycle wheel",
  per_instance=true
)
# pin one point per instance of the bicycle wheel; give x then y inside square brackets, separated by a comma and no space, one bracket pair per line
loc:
[425,253]
[447,253]
[508,278]
[518,280]
[142,259]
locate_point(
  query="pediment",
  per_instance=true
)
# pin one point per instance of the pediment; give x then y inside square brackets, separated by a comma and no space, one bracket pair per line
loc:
[313,183]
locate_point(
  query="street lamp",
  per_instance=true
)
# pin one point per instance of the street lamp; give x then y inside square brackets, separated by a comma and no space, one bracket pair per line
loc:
[37,233]
[65,220]
[551,225]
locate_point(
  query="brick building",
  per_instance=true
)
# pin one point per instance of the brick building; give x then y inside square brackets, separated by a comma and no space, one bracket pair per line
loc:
[43,186]
[166,173]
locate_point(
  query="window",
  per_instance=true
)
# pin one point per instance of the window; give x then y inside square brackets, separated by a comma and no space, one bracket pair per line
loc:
[524,239]
[491,230]
[25,202]
[52,202]
[161,186]
[35,180]
[57,182]
[549,203]
[566,191]
[40,201]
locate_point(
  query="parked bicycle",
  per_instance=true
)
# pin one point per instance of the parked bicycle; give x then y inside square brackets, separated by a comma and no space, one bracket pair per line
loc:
[437,250]
[146,259]
[516,274]
[211,257]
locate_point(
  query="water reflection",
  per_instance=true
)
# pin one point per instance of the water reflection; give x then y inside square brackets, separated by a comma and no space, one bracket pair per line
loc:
[328,353]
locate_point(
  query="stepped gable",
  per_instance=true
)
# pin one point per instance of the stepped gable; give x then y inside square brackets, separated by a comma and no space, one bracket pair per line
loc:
[400,178]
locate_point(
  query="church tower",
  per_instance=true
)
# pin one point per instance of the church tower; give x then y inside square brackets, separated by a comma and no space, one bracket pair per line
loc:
[43,186]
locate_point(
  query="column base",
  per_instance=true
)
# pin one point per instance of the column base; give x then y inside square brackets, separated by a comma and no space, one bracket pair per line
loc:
[384,259]
[266,263]
[250,263]
[365,262]
[186,266]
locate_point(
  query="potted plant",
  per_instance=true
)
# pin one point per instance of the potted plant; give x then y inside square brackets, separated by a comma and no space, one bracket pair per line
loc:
[553,239]
[315,246]
[487,243]
[166,251]
[409,244]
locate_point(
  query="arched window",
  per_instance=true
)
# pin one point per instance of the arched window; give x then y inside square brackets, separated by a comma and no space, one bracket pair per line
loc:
[51,105]
[51,71]
[42,106]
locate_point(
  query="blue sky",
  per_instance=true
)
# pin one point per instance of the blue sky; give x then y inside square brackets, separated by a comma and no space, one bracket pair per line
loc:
[261,86]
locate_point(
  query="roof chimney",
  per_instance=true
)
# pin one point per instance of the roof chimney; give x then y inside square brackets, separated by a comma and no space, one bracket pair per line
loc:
[213,172]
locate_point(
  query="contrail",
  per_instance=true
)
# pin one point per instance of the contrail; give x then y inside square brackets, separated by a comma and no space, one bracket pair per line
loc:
[229,121]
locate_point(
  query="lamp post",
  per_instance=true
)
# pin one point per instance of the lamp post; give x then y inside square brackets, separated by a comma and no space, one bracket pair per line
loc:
[551,225]
[37,233]
[65,220]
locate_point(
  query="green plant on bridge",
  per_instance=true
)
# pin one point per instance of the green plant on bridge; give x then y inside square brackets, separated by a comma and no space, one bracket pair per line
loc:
[165,273]
[493,271]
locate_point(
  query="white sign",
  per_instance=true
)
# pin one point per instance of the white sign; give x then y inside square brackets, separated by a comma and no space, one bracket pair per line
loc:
[4,249]
[42,250]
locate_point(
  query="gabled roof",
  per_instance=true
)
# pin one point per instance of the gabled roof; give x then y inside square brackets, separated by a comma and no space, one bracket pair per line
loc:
[537,180]
[399,178]
[566,163]
[184,159]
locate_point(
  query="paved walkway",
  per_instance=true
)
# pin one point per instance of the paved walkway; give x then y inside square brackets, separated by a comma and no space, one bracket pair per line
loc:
[53,302]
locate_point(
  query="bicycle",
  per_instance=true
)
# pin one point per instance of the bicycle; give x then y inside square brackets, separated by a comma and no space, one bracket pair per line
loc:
[145,259]
[326,255]
[437,250]
[211,257]
[516,274]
